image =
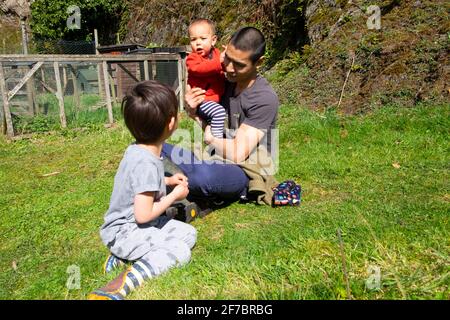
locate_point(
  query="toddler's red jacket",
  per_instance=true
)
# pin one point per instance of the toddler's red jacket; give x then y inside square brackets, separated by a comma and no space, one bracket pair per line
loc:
[206,74]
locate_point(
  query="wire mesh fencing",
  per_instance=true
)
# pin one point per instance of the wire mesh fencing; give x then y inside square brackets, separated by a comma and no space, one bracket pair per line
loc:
[78,88]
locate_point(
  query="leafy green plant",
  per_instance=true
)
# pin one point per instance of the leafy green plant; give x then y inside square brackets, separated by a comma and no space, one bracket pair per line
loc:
[49,19]
[39,123]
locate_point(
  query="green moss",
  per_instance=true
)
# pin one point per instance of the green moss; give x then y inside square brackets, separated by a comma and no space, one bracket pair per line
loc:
[10,38]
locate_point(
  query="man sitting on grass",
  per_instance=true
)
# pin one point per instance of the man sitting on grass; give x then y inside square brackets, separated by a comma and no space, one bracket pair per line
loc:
[248,169]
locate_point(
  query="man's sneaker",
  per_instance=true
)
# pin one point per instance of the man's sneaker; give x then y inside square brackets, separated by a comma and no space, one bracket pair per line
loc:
[111,263]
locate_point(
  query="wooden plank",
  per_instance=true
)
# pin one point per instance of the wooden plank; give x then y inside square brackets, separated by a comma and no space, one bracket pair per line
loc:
[24,80]
[59,95]
[23,28]
[107,93]
[6,121]
[181,84]
[119,77]
[96,41]
[99,66]
[113,88]
[65,80]
[146,75]
[153,69]
[99,80]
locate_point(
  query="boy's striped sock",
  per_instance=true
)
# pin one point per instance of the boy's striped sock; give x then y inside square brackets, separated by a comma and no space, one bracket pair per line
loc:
[126,282]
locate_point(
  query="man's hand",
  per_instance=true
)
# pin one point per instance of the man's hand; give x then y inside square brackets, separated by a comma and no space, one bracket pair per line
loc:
[194,97]
[176,179]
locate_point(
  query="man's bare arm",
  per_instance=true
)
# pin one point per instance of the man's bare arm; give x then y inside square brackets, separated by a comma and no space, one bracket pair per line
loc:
[239,148]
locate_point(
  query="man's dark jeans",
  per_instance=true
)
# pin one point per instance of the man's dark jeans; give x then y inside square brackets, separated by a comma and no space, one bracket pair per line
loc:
[208,179]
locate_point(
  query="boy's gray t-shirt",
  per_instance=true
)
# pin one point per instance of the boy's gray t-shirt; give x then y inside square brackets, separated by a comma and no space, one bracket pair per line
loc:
[139,171]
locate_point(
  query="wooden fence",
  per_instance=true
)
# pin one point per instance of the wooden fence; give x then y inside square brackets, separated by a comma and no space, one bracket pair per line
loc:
[107,89]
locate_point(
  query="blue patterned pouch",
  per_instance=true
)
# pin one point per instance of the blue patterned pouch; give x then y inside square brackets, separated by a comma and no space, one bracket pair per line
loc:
[287,193]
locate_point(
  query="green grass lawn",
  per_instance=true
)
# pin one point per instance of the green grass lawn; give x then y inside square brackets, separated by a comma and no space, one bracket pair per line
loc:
[381,178]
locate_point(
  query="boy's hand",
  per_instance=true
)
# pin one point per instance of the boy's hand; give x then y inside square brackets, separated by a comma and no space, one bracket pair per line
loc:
[180,192]
[176,179]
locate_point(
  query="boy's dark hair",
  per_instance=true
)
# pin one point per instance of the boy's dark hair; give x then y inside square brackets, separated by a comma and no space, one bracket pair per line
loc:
[211,24]
[147,109]
[249,39]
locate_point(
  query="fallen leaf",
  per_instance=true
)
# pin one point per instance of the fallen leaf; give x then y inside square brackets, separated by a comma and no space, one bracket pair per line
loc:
[396,165]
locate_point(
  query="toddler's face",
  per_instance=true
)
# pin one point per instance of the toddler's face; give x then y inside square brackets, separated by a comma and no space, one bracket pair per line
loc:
[202,39]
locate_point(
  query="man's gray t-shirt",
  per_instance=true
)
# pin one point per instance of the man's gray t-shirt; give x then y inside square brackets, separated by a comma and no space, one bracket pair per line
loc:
[256,106]
[139,171]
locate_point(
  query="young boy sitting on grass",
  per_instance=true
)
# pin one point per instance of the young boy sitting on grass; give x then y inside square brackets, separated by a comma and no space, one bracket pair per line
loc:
[135,228]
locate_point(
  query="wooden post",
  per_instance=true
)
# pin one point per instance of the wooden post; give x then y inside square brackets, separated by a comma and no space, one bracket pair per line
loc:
[59,95]
[6,121]
[153,69]
[119,77]
[146,75]
[181,81]
[107,93]
[42,75]
[30,83]
[24,36]
[31,95]
[99,66]
[113,89]
[64,78]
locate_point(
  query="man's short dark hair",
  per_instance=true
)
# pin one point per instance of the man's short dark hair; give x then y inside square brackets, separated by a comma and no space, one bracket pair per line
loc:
[249,39]
[147,109]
